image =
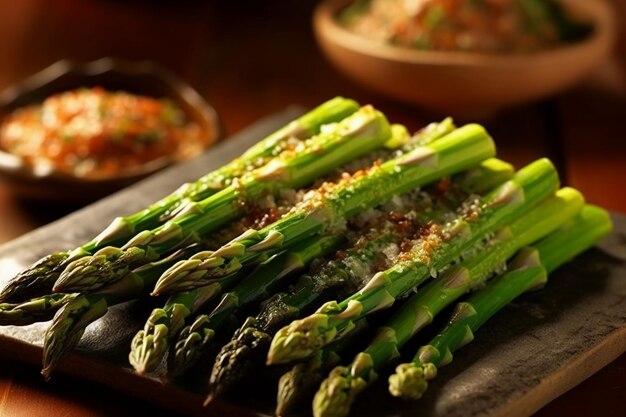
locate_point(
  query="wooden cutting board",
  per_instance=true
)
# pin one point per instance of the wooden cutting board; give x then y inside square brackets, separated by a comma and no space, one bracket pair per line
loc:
[534,350]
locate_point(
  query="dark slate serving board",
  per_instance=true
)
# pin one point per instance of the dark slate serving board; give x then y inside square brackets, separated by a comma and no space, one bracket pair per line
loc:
[539,347]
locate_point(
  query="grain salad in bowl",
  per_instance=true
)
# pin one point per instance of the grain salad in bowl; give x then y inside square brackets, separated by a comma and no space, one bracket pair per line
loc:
[468,58]
[481,26]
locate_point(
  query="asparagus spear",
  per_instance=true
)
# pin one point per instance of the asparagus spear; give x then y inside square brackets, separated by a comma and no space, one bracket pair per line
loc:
[32,311]
[343,275]
[527,188]
[339,390]
[354,136]
[298,384]
[38,279]
[71,320]
[528,270]
[461,149]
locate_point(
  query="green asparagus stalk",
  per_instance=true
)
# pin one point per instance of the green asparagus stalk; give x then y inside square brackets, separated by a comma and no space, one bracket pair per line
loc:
[32,311]
[528,270]
[460,150]
[484,177]
[354,136]
[339,390]
[71,320]
[501,206]
[343,275]
[38,279]
[303,127]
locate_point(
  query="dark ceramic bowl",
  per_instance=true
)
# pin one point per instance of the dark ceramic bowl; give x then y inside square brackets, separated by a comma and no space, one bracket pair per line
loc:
[144,78]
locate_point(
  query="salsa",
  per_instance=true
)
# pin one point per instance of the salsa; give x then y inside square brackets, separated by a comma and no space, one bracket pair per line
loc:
[482,26]
[92,132]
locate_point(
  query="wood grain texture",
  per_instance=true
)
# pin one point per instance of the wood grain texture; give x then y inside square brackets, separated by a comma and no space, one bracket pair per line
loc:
[534,350]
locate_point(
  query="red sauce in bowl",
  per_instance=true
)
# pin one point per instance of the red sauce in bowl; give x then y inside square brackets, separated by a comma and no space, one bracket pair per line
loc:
[91,132]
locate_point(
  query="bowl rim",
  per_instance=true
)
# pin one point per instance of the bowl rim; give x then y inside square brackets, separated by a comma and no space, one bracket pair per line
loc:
[326,25]
[12,164]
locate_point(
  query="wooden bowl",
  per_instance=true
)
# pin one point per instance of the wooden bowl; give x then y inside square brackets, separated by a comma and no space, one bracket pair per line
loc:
[459,82]
[144,78]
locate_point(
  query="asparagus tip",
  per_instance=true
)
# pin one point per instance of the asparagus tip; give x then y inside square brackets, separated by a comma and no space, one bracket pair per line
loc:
[410,381]
[67,329]
[150,344]
[290,388]
[173,280]
[89,273]
[337,393]
[34,281]
[300,339]
[80,275]
[190,344]
[237,358]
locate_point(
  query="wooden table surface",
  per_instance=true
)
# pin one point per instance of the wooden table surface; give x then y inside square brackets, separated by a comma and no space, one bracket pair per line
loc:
[250,64]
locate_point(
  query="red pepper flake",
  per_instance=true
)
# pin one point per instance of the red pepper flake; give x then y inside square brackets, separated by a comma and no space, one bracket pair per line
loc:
[443,185]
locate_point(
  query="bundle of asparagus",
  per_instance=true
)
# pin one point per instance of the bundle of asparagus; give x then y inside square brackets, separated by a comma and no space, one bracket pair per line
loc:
[350,269]
[151,343]
[337,205]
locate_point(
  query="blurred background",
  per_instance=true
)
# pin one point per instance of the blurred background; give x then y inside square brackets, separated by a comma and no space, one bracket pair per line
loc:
[251,59]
